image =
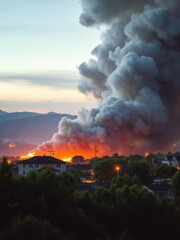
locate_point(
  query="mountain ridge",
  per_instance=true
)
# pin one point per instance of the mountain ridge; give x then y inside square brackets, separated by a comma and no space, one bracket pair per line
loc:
[29,127]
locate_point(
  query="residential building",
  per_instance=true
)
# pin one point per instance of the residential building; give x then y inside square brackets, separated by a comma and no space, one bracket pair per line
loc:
[39,163]
[171,160]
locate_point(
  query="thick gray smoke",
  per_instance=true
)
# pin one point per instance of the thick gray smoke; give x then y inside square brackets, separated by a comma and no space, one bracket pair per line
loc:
[136,76]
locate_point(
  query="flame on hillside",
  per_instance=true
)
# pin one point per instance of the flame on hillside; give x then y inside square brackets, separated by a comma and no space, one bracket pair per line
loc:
[11,145]
[85,146]
[33,154]
[67,159]
[88,146]
[29,155]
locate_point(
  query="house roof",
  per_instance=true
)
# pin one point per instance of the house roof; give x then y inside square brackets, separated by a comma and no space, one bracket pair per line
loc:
[159,187]
[42,160]
[178,157]
[171,158]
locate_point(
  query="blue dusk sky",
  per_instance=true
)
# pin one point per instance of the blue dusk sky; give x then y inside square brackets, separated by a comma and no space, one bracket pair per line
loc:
[42,43]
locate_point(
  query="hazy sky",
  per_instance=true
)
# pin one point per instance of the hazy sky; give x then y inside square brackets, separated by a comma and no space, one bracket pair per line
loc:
[42,43]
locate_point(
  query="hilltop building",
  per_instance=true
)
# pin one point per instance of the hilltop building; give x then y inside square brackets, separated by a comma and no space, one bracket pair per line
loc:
[38,163]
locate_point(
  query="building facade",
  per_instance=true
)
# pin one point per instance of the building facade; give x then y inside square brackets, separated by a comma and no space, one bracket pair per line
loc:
[39,163]
[171,160]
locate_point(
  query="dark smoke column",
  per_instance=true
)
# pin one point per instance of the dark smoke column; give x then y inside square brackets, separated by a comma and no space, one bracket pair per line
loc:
[136,76]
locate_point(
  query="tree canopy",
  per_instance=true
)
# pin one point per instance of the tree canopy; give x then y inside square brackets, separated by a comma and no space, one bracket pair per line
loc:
[176,187]
[48,206]
[141,169]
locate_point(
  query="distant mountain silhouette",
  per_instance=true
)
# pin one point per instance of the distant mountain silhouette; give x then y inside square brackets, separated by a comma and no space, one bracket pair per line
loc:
[29,127]
[16,115]
[2,113]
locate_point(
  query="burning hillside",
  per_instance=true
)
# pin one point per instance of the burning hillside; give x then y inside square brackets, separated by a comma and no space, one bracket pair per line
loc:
[135,75]
[14,148]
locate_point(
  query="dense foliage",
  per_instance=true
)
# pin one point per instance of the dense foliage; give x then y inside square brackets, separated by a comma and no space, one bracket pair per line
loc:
[162,171]
[105,168]
[176,188]
[49,206]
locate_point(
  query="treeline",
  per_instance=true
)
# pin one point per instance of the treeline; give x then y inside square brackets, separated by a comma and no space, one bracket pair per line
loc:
[49,207]
[145,168]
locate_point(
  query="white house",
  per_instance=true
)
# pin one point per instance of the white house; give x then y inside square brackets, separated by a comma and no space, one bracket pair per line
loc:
[171,161]
[39,163]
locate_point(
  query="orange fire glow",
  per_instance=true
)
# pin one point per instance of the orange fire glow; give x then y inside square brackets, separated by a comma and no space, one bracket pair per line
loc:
[66,154]
[33,154]
[67,150]
[29,155]
[12,145]
[118,168]
[8,161]
[146,154]
[67,159]
[88,181]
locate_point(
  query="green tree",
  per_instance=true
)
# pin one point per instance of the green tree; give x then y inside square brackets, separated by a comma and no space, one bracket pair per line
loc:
[120,181]
[5,169]
[135,157]
[141,169]
[176,187]
[30,228]
[106,168]
[163,171]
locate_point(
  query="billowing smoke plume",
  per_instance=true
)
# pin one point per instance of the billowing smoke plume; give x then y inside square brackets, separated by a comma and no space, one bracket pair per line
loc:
[136,77]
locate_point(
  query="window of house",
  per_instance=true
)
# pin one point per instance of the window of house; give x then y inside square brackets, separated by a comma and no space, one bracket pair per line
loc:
[23,165]
[36,165]
[24,172]
[58,165]
[30,166]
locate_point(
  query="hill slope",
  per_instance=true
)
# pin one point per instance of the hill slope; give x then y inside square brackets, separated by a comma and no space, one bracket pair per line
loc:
[31,128]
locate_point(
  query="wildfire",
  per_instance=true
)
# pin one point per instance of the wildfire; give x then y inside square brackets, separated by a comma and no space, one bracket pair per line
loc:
[12,145]
[32,154]
[29,155]
[146,154]
[68,159]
